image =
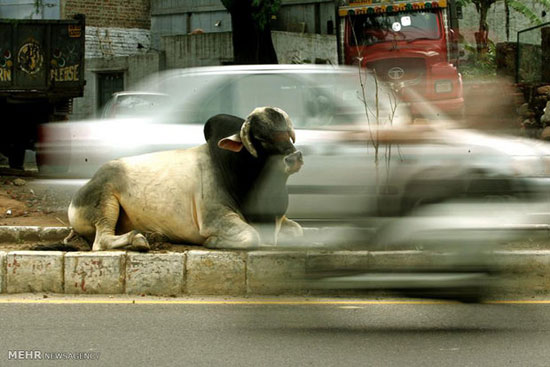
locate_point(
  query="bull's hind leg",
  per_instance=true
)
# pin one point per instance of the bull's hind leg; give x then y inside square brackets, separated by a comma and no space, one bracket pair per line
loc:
[98,222]
[105,238]
[95,209]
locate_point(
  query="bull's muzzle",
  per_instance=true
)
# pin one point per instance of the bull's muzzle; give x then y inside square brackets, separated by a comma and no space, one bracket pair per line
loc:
[293,162]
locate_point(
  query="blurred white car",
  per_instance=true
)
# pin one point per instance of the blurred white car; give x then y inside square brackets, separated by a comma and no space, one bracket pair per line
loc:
[364,157]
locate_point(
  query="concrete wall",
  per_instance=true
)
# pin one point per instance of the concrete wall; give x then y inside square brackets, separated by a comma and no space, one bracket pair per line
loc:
[294,48]
[135,68]
[180,17]
[197,50]
[305,16]
[125,50]
[29,9]
[210,49]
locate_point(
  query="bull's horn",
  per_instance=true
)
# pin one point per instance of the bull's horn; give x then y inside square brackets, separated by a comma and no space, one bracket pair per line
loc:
[288,123]
[245,138]
[292,136]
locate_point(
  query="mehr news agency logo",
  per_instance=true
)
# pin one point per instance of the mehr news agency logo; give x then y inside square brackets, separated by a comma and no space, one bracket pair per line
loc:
[38,355]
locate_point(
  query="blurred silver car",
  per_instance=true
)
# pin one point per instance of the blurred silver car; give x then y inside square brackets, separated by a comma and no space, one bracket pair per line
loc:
[366,163]
[134,104]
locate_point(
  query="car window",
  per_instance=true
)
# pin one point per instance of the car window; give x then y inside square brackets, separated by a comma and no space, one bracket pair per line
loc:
[196,99]
[309,104]
[313,101]
[138,105]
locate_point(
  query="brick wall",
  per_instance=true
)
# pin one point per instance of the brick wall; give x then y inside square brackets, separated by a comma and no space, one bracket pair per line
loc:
[112,42]
[111,13]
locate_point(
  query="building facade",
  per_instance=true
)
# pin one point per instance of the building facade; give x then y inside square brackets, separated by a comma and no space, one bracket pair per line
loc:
[118,43]
[118,48]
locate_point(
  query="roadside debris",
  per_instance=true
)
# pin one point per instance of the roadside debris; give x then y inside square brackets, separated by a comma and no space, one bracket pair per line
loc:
[19,182]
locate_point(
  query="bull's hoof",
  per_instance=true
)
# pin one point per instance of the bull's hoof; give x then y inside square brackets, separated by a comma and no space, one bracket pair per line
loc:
[139,243]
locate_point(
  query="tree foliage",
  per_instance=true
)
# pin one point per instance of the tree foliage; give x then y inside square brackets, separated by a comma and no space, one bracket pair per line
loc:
[252,43]
[483,6]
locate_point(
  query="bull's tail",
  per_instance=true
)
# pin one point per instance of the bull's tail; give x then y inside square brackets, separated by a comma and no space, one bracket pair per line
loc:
[59,246]
[73,242]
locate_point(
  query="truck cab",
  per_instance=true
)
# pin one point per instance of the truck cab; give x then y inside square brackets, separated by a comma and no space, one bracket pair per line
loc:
[411,46]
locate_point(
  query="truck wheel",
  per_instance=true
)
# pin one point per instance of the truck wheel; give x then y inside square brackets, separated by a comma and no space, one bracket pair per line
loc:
[16,157]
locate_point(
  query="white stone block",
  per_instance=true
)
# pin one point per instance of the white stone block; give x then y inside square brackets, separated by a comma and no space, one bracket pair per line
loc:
[34,271]
[95,272]
[155,274]
[216,272]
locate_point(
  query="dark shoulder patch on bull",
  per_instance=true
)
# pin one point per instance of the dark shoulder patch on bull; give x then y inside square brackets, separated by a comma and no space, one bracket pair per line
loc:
[237,172]
[111,174]
[220,126]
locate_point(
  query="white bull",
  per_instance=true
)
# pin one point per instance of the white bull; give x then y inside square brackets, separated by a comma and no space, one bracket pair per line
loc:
[208,195]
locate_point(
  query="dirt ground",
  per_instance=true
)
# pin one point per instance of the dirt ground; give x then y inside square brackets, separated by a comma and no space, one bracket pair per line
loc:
[24,203]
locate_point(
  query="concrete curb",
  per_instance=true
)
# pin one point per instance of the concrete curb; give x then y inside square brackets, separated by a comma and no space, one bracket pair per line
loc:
[214,272]
[18,234]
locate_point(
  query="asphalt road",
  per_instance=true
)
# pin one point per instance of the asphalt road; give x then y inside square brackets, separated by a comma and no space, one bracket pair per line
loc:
[250,332]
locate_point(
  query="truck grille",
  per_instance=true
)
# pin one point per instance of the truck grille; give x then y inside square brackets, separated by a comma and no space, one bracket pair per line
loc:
[402,73]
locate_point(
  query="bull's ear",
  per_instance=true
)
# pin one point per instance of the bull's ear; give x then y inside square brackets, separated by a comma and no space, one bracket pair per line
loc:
[232,143]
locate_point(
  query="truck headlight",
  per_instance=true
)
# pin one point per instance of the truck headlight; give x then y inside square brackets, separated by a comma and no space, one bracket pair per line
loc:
[443,86]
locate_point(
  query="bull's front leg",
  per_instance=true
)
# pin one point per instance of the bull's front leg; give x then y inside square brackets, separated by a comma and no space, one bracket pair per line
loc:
[229,231]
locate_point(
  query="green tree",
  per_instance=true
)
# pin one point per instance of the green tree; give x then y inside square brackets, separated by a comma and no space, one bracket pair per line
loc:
[483,6]
[252,43]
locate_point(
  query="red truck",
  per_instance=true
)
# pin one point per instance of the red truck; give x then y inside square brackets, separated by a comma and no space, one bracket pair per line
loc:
[411,45]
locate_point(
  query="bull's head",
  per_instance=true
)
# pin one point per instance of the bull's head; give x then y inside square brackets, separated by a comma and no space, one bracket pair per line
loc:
[267,131]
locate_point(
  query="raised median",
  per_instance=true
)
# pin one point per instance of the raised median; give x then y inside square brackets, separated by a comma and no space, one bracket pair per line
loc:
[200,271]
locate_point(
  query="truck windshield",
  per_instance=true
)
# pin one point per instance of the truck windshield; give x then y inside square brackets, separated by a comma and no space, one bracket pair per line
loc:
[387,27]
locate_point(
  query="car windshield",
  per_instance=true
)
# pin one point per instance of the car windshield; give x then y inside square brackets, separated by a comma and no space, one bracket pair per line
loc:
[375,28]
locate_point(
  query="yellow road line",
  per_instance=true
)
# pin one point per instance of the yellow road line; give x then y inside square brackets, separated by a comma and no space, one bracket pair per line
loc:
[211,302]
[252,302]
[521,301]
